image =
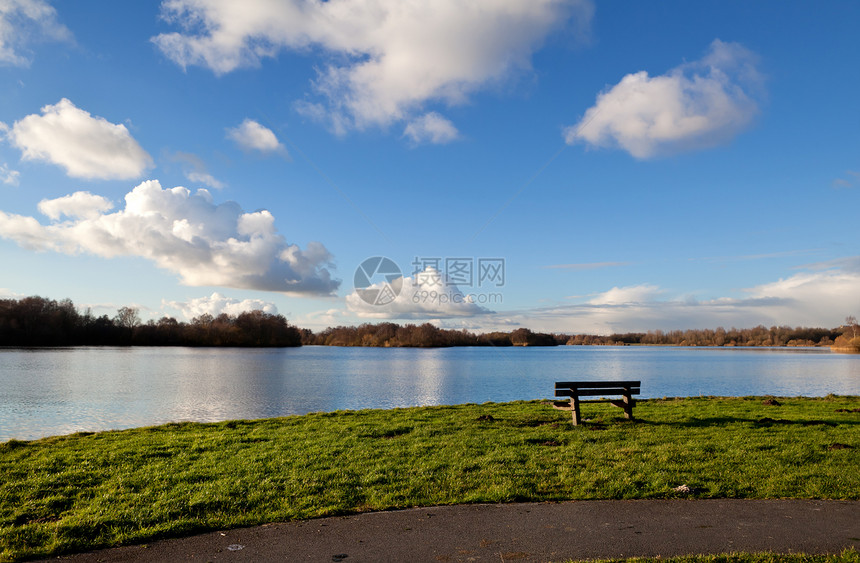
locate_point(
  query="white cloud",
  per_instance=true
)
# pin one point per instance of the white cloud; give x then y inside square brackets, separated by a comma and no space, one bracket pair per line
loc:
[205,179]
[626,295]
[217,304]
[320,320]
[811,298]
[185,233]
[390,56]
[429,295]
[83,205]
[848,264]
[22,21]
[819,297]
[195,169]
[86,146]
[8,176]
[431,128]
[696,105]
[250,135]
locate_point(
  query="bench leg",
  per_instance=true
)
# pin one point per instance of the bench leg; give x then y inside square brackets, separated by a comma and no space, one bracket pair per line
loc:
[628,407]
[577,418]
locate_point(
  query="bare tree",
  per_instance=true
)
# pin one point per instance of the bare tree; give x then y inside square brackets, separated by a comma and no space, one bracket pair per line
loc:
[851,322]
[127,317]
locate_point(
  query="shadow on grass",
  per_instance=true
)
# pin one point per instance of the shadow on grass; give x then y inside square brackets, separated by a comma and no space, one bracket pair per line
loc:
[607,422]
[707,422]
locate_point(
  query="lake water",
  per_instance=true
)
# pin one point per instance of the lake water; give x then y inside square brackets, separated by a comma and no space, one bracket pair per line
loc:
[48,392]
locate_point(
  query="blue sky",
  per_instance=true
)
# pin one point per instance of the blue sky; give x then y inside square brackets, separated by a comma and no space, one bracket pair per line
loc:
[633,166]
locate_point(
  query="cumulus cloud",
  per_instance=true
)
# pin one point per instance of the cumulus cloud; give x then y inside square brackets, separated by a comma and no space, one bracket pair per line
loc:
[83,205]
[389,57]
[428,295]
[217,304]
[252,136]
[8,176]
[187,234]
[431,128]
[86,146]
[695,105]
[814,298]
[21,22]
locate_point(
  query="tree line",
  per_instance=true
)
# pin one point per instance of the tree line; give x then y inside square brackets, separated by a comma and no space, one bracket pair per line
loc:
[756,336]
[427,335]
[37,321]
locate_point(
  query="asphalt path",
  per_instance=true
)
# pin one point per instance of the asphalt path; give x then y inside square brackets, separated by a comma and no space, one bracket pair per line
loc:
[525,532]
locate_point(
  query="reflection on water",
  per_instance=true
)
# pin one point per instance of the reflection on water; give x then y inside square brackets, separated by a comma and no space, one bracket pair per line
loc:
[57,391]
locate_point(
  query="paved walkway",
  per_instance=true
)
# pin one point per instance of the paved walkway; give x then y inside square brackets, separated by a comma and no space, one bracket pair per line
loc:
[526,532]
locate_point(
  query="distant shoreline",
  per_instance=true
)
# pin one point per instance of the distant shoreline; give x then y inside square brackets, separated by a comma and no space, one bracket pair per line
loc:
[38,322]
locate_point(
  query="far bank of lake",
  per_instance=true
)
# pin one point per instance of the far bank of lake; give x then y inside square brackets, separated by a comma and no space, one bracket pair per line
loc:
[47,392]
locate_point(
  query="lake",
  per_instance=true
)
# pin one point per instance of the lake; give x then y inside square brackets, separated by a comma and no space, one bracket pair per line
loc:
[46,392]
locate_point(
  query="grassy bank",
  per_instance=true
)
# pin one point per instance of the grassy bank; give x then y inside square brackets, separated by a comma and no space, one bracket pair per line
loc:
[84,491]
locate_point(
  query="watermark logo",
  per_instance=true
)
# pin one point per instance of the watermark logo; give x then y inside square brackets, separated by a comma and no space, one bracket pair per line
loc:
[470,272]
[436,281]
[443,297]
[378,280]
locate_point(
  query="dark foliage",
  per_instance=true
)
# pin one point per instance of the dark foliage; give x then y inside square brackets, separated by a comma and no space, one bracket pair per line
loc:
[424,336]
[427,335]
[36,321]
[757,336]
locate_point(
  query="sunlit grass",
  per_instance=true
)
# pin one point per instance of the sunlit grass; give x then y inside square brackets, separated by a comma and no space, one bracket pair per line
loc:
[85,491]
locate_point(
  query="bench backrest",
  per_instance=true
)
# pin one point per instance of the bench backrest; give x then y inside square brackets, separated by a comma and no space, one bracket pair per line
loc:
[590,388]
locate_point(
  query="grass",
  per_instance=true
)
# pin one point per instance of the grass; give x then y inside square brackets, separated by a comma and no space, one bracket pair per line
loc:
[86,491]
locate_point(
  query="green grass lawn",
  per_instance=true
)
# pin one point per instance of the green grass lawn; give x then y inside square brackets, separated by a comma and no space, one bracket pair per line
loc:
[84,491]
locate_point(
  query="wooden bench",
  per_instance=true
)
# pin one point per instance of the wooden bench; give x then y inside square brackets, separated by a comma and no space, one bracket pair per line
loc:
[577,389]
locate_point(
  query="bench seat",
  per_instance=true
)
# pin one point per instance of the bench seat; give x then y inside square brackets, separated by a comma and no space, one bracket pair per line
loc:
[576,389]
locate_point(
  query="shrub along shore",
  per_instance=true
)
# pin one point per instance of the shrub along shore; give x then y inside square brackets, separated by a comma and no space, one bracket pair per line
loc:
[92,490]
